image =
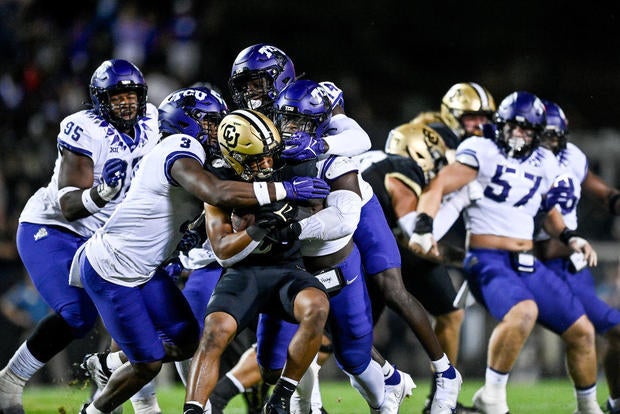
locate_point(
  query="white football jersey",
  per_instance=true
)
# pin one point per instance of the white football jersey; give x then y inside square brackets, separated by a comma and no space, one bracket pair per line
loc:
[88,134]
[145,228]
[573,164]
[512,188]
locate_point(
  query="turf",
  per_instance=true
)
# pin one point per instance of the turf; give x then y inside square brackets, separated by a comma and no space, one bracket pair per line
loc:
[543,397]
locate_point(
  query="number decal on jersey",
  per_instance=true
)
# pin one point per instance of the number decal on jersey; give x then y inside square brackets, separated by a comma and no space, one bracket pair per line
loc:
[185,143]
[73,131]
[499,188]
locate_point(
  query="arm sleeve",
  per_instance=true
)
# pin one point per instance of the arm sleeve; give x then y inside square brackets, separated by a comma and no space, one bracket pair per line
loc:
[346,137]
[338,219]
[450,211]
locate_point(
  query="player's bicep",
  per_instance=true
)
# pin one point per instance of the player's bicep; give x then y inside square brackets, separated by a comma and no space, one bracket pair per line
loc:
[455,176]
[76,170]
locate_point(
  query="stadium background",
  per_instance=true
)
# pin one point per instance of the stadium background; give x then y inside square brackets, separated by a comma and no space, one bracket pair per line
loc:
[392,58]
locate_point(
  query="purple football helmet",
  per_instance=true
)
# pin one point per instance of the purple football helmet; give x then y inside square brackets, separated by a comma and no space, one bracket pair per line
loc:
[524,110]
[302,105]
[196,112]
[112,77]
[258,74]
[556,130]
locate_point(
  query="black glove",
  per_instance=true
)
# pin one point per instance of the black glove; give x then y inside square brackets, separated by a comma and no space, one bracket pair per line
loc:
[286,234]
[190,240]
[194,234]
[274,215]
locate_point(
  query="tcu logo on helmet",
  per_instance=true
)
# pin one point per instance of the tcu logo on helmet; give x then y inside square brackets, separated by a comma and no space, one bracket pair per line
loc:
[268,50]
[197,93]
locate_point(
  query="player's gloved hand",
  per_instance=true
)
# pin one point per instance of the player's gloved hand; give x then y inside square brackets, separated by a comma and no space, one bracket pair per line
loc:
[190,240]
[113,174]
[286,234]
[302,146]
[334,94]
[561,193]
[306,188]
[421,240]
[474,191]
[194,234]
[274,215]
[174,268]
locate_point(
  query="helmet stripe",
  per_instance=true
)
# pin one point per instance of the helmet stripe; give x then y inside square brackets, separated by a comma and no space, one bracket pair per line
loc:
[482,94]
[257,122]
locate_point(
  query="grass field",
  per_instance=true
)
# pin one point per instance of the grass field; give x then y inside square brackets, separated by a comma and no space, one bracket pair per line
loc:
[544,397]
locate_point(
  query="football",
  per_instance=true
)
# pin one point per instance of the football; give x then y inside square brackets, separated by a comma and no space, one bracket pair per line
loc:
[241,221]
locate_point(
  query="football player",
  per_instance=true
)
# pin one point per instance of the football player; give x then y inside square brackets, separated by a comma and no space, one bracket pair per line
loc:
[98,150]
[119,264]
[259,276]
[578,180]
[503,274]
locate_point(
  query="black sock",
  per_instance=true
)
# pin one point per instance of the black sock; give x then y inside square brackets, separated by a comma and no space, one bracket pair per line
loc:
[189,408]
[224,391]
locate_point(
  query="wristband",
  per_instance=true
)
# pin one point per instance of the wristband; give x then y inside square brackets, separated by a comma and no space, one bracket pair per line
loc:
[88,202]
[423,224]
[280,191]
[261,191]
[612,204]
[65,190]
[567,234]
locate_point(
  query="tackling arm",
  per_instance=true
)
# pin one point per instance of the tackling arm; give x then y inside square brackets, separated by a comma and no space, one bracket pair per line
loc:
[203,184]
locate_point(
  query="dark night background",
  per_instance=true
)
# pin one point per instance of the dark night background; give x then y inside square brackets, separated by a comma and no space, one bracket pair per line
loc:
[391,58]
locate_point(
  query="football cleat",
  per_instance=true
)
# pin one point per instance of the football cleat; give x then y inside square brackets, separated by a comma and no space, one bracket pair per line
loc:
[488,405]
[395,394]
[460,408]
[94,366]
[588,407]
[448,385]
[11,389]
[277,407]
[609,409]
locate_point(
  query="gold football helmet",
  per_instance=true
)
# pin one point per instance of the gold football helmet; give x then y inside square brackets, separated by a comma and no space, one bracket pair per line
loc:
[465,98]
[421,143]
[250,144]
